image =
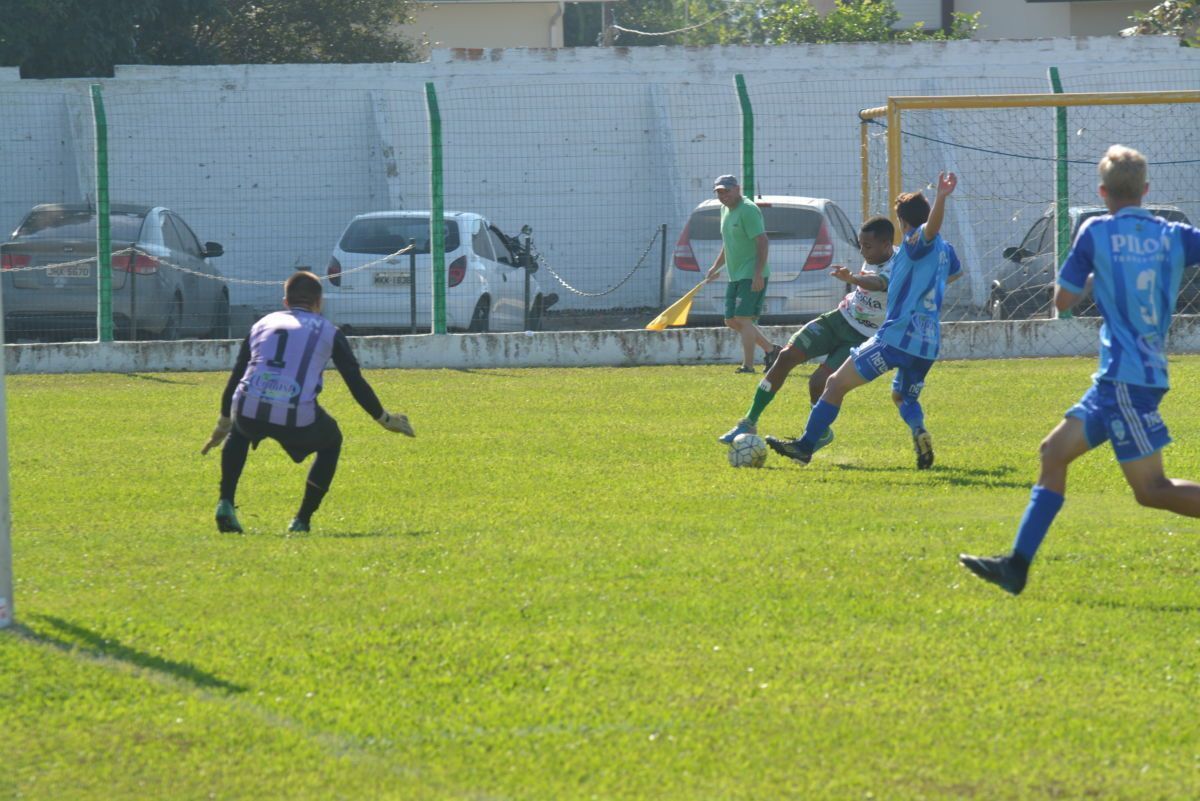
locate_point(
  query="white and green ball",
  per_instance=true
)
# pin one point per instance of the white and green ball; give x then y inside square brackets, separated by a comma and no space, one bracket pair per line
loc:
[748,450]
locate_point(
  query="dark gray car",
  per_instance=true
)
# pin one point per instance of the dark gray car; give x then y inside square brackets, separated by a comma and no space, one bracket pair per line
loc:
[1024,286]
[163,286]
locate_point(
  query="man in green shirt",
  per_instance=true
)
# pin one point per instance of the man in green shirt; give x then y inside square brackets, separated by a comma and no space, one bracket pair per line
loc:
[744,250]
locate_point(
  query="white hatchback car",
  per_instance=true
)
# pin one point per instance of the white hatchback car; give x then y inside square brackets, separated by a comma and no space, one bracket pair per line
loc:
[371,289]
[807,236]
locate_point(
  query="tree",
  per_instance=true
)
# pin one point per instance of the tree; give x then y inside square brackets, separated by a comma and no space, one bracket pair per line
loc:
[706,22]
[1170,18]
[86,38]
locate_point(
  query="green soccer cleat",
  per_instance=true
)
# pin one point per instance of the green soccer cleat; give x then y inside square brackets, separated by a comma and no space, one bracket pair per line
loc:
[923,445]
[298,526]
[825,439]
[226,518]
[744,426]
[1008,572]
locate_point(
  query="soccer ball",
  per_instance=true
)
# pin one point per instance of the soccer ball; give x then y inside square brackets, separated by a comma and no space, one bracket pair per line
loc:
[748,450]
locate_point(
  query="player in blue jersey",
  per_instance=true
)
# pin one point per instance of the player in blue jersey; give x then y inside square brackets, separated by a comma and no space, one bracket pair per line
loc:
[910,335]
[272,392]
[1134,261]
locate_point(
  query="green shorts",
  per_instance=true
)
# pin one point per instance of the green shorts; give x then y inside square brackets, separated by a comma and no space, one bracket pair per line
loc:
[829,335]
[742,301]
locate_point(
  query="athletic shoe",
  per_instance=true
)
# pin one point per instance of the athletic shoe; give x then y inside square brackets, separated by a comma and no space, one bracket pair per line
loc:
[923,445]
[298,526]
[226,518]
[744,426]
[1007,572]
[791,449]
[744,369]
[770,356]
[825,439]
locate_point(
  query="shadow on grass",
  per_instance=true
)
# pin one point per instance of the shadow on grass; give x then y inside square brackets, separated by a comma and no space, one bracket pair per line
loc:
[155,378]
[1111,603]
[488,372]
[958,476]
[77,637]
[356,535]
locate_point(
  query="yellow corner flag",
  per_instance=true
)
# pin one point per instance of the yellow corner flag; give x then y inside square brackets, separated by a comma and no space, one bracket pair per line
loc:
[677,312]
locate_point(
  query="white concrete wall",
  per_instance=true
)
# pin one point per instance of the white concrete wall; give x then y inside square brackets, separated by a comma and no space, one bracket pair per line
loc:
[592,147]
[1029,338]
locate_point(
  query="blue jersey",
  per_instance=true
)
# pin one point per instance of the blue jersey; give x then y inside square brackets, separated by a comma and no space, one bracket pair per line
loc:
[918,283]
[1137,260]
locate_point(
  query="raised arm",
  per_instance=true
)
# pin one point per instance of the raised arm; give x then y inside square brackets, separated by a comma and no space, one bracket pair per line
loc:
[946,183]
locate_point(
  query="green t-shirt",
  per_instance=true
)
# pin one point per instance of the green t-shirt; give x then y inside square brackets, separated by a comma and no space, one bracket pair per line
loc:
[740,226]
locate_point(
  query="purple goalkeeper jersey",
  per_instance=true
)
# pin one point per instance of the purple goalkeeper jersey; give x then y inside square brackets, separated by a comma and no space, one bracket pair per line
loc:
[288,353]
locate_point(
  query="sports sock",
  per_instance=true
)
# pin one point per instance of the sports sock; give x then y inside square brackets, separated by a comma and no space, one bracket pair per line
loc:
[320,476]
[233,461]
[913,414]
[819,420]
[762,396]
[1039,514]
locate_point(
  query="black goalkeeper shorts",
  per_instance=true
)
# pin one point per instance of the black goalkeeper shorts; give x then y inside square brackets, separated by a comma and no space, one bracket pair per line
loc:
[298,442]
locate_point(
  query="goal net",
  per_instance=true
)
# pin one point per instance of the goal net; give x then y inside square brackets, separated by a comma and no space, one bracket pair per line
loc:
[1027,179]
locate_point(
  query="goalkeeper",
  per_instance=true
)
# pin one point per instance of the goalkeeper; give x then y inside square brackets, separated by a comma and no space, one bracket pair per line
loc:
[272,392]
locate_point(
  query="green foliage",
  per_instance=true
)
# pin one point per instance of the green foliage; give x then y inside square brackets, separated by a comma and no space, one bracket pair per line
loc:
[561,591]
[775,22]
[1171,18]
[85,38]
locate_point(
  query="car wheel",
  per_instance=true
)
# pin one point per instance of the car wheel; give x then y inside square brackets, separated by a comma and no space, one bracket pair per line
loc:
[998,309]
[481,315]
[171,329]
[221,322]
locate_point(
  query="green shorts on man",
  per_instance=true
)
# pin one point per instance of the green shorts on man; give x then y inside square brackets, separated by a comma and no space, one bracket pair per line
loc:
[742,301]
[829,335]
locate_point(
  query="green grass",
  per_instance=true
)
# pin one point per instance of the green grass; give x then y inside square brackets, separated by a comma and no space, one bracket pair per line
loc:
[561,591]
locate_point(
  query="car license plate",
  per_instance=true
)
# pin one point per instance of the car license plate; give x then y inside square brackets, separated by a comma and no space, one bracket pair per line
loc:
[70,271]
[391,278]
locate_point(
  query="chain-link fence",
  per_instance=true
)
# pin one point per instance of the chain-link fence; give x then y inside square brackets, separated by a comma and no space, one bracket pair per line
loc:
[577,204]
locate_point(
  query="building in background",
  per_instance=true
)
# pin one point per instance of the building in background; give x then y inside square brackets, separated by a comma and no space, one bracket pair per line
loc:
[487,23]
[1021,19]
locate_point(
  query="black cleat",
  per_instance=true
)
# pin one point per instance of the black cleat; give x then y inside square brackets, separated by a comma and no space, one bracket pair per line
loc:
[790,448]
[1007,572]
[298,526]
[227,518]
[923,445]
[770,356]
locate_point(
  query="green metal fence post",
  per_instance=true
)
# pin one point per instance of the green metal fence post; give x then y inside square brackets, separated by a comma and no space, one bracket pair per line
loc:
[747,136]
[1062,188]
[104,318]
[437,225]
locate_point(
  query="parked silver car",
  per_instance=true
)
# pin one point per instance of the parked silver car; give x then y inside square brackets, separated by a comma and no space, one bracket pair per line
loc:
[807,236]
[373,290]
[50,275]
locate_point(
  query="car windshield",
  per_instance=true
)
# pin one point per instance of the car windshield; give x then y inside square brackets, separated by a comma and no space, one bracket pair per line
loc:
[383,235]
[1170,215]
[77,224]
[782,223]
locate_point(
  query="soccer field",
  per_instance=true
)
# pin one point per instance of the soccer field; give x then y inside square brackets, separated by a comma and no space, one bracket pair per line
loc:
[560,590]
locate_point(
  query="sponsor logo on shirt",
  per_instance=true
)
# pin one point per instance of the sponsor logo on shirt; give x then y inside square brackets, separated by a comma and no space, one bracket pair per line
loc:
[273,387]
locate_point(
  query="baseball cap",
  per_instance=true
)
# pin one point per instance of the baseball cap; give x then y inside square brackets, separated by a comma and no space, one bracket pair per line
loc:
[725,182]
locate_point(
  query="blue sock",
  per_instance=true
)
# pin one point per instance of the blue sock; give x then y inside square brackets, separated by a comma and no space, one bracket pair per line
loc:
[1043,506]
[819,420]
[913,414]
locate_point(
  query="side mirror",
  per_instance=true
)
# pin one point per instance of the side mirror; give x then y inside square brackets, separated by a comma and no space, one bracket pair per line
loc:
[1016,254]
[213,249]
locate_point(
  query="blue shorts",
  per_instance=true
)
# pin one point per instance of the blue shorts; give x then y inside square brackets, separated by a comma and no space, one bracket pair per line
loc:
[873,358]
[1125,415]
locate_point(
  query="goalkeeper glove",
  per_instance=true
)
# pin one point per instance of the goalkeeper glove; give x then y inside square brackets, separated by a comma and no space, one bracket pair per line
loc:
[224,426]
[396,422]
